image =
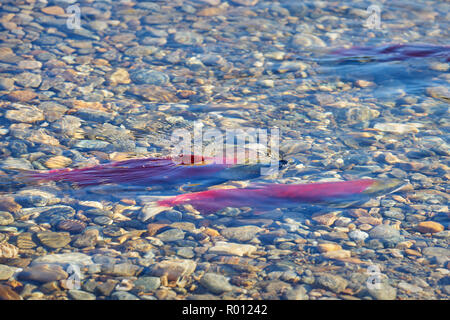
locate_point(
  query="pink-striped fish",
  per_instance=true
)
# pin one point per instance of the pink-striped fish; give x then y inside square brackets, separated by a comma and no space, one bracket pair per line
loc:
[266,197]
[195,170]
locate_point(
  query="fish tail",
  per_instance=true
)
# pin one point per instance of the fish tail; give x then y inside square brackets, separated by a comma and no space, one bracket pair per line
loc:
[153,205]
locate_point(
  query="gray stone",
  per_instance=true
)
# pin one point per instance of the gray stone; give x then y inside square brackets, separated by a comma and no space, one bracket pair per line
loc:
[81,295]
[64,259]
[147,284]
[297,293]
[6,272]
[244,233]
[171,235]
[122,295]
[215,283]
[43,273]
[28,79]
[331,282]
[385,292]
[186,252]
[92,144]
[149,77]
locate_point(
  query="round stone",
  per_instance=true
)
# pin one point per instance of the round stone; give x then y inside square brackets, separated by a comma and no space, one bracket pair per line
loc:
[150,77]
[6,218]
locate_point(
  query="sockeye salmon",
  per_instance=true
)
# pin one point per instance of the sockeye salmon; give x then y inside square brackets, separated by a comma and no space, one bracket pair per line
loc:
[266,197]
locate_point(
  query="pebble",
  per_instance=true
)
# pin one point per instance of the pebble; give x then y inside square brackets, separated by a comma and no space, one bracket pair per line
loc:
[296,293]
[331,282]
[6,218]
[87,239]
[385,292]
[243,234]
[43,273]
[65,259]
[28,79]
[216,283]
[6,293]
[106,287]
[358,235]
[408,287]
[122,295]
[58,162]
[229,248]
[439,92]
[80,295]
[428,227]
[6,272]
[337,254]
[147,284]
[186,252]
[188,38]
[122,269]
[384,232]
[327,247]
[22,95]
[149,77]
[120,76]
[54,239]
[6,84]
[326,219]
[23,113]
[398,128]
[8,251]
[174,269]
[171,235]
[72,226]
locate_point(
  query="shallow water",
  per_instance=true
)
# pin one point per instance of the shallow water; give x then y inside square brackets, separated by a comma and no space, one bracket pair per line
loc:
[121,85]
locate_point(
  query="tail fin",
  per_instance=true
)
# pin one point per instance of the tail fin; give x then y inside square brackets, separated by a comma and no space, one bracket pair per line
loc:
[152,207]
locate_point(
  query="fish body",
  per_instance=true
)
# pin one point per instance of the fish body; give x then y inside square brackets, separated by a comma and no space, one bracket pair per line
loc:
[270,196]
[167,171]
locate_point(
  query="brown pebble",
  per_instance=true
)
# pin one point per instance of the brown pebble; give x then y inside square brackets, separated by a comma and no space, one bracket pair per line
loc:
[22,95]
[8,251]
[6,293]
[53,10]
[71,225]
[430,227]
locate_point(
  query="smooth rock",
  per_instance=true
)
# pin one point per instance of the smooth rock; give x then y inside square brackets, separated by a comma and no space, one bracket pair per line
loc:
[229,248]
[175,269]
[81,295]
[331,282]
[428,227]
[6,272]
[54,239]
[216,283]
[8,251]
[6,293]
[398,128]
[64,259]
[296,293]
[385,292]
[244,233]
[6,218]
[147,284]
[43,273]
[123,295]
